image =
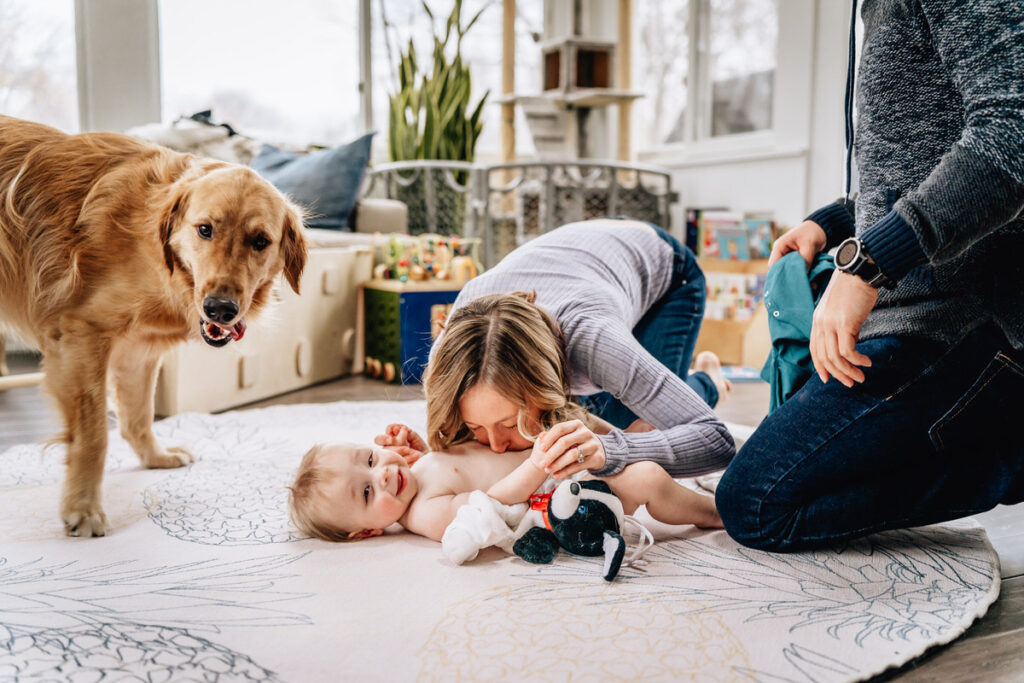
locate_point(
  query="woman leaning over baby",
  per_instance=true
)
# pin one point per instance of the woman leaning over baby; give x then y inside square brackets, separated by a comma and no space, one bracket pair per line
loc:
[593,359]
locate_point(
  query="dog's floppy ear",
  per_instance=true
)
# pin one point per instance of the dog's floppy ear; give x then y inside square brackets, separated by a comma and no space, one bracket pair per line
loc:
[293,247]
[168,220]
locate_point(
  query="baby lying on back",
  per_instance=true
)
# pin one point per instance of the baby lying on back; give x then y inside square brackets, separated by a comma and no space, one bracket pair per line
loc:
[345,492]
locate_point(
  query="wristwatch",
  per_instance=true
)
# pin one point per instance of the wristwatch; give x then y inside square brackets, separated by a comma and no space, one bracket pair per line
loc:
[853,258]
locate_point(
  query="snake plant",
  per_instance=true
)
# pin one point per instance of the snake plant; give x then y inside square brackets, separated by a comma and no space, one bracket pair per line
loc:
[430,115]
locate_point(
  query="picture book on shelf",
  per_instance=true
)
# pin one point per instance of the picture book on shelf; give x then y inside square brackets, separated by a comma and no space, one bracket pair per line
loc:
[710,223]
[693,217]
[760,236]
[733,243]
[733,296]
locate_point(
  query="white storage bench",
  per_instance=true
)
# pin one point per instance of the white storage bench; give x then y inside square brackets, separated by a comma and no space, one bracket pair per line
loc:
[297,341]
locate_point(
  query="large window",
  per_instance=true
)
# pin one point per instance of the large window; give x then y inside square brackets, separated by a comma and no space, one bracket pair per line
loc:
[37,62]
[707,68]
[289,72]
[283,72]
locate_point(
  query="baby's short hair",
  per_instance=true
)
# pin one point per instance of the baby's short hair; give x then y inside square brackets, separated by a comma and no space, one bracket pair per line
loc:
[303,495]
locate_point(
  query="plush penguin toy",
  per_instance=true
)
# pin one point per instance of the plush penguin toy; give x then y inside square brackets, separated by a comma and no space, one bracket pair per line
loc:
[584,518]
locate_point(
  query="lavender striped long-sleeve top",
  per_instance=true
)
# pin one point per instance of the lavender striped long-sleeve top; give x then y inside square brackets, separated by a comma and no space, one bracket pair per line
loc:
[597,279]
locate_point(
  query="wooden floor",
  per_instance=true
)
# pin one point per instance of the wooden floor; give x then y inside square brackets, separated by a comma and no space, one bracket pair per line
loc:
[991,650]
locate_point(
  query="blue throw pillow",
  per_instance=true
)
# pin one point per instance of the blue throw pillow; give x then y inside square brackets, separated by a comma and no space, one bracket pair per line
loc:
[325,183]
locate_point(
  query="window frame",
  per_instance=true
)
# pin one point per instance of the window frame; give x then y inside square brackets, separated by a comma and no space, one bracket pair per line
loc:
[790,131]
[140,95]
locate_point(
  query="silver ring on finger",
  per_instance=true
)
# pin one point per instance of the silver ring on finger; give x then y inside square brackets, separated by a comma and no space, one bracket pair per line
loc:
[579,455]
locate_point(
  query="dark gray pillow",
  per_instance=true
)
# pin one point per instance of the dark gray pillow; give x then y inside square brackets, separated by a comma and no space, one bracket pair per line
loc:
[326,183]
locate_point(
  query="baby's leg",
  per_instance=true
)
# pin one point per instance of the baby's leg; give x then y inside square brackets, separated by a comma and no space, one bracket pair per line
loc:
[647,483]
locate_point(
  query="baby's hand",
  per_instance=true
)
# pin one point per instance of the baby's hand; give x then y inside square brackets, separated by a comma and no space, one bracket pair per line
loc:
[411,455]
[538,456]
[400,435]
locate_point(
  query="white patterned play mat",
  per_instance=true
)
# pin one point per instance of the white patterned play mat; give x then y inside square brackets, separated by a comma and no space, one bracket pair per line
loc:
[202,578]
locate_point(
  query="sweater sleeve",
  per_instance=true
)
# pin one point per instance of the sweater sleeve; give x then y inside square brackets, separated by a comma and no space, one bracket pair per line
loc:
[836,220]
[689,440]
[978,186]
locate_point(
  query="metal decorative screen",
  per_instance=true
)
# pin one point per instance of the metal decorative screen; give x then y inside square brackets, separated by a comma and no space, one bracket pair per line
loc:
[509,204]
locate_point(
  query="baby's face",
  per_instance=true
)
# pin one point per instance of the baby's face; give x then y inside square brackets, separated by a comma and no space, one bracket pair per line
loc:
[371,487]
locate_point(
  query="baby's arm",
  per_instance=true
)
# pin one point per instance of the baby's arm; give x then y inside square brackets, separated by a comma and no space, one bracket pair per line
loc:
[519,484]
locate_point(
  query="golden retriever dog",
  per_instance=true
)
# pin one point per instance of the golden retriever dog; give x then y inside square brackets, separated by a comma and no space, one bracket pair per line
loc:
[111,251]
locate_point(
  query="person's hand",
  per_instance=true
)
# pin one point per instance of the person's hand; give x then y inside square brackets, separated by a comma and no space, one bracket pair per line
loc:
[841,311]
[403,441]
[559,449]
[538,456]
[808,238]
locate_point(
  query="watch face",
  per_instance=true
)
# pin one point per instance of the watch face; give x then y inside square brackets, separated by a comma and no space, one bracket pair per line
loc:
[847,253]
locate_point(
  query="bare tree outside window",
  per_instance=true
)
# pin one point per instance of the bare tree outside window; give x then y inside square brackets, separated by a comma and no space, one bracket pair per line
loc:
[731,86]
[663,53]
[283,72]
[37,62]
[743,41]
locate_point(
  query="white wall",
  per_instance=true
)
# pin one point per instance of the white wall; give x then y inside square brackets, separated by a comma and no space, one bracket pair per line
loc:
[827,145]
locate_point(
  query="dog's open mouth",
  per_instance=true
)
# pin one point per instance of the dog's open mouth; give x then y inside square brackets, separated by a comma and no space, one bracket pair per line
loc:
[217,335]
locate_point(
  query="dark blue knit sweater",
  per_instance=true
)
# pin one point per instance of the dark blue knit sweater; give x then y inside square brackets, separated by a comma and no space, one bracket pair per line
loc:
[940,153]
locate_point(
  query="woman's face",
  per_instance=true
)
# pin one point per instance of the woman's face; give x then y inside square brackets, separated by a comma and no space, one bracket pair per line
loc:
[493,419]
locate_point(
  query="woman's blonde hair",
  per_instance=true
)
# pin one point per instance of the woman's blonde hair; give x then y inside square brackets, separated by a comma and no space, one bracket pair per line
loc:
[509,343]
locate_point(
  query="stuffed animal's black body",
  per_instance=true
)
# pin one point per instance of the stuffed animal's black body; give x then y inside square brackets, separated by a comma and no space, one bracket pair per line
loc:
[584,518]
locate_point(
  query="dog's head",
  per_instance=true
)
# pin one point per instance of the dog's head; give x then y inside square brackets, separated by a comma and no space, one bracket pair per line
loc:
[233,233]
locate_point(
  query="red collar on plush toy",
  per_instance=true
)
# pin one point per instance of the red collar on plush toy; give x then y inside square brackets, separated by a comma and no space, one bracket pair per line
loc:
[539,501]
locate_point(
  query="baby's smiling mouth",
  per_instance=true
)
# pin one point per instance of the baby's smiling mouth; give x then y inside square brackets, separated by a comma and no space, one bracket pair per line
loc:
[401,483]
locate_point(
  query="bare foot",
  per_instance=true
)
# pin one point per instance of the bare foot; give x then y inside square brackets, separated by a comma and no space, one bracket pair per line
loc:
[709,518]
[708,363]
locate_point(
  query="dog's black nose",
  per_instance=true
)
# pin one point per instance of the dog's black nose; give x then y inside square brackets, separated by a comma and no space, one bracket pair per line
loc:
[220,310]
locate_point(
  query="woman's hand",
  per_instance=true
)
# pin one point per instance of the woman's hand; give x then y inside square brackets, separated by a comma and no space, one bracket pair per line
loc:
[808,238]
[403,441]
[559,449]
[843,307]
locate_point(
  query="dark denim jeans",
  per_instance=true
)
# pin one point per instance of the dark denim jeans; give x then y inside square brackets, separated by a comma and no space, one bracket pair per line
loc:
[669,332]
[933,433]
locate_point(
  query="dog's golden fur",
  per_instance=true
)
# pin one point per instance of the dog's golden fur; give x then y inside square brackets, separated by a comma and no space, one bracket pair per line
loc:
[103,265]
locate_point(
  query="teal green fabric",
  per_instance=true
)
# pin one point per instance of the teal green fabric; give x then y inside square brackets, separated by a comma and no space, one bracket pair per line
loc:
[790,300]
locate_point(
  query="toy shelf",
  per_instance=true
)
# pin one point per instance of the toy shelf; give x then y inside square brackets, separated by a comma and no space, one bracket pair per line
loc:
[736,342]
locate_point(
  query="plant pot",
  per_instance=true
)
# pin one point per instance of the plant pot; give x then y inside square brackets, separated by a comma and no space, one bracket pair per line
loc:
[434,206]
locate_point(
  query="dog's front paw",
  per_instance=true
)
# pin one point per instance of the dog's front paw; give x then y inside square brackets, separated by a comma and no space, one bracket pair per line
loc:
[83,518]
[175,456]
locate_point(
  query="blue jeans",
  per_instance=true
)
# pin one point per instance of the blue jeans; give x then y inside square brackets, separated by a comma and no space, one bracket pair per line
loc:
[669,332]
[932,434]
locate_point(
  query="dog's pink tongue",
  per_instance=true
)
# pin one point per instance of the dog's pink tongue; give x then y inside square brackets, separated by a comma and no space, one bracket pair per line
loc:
[238,331]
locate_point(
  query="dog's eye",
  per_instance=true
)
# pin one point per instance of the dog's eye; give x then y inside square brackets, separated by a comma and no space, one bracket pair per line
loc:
[260,243]
[582,509]
[205,231]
